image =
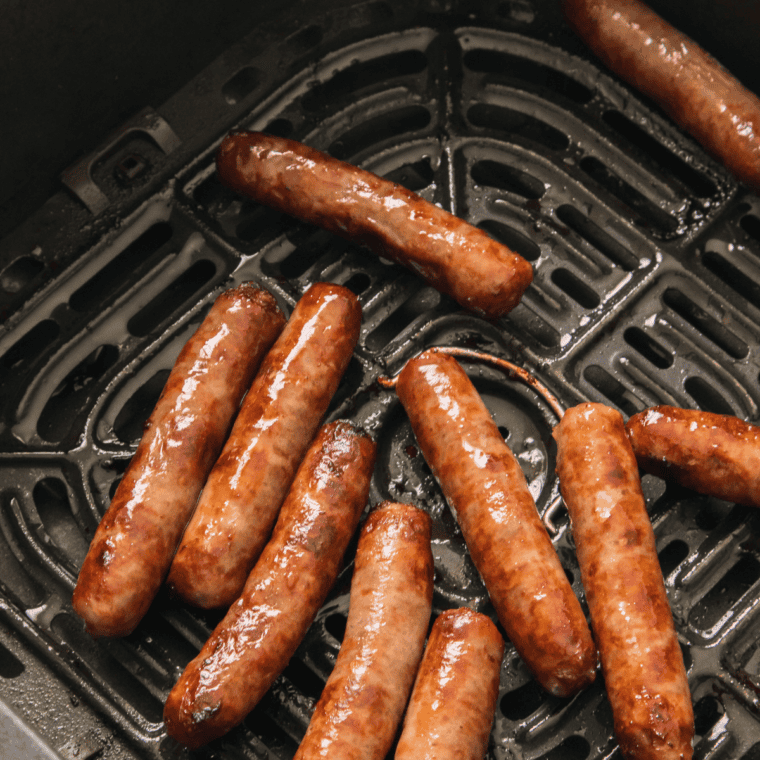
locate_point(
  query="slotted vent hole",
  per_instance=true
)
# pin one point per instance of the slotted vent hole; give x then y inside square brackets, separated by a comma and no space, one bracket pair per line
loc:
[642,208]
[726,593]
[660,158]
[52,502]
[29,348]
[616,252]
[10,665]
[706,395]
[303,678]
[130,421]
[391,124]
[72,395]
[513,239]
[648,347]
[414,176]
[734,277]
[423,301]
[612,388]
[751,225]
[507,178]
[710,327]
[535,326]
[515,124]
[174,296]
[525,74]
[672,556]
[122,269]
[707,712]
[518,704]
[364,75]
[20,273]
[26,591]
[335,625]
[573,748]
[358,282]
[569,283]
[241,84]
[318,247]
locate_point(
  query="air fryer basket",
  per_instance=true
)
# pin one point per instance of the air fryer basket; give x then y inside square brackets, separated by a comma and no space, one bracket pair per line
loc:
[646,256]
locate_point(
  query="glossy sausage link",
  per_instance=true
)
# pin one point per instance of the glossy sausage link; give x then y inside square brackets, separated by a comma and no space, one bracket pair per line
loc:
[262,630]
[487,491]
[137,537]
[363,701]
[641,659]
[688,83]
[276,423]
[453,256]
[451,709]
[713,454]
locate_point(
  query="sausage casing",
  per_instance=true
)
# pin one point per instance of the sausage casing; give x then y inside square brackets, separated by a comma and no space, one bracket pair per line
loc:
[686,82]
[486,489]
[453,256]
[262,629]
[134,544]
[361,706]
[632,621]
[275,426]
[713,454]
[451,709]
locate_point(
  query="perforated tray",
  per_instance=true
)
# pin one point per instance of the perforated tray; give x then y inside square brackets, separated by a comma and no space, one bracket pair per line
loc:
[646,290]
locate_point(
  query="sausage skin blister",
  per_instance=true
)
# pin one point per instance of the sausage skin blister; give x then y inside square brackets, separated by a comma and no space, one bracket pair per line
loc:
[453,256]
[133,546]
[262,629]
[487,491]
[451,710]
[276,424]
[363,700]
[683,79]
[713,454]
[632,621]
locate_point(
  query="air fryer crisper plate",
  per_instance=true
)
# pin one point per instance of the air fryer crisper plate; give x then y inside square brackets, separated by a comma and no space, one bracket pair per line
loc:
[646,288]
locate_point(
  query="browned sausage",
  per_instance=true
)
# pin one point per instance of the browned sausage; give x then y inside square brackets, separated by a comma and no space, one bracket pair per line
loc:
[487,491]
[686,81]
[453,256]
[363,701]
[263,628]
[641,660]
[138,535]
[713,454]
[276,423]
[451,709]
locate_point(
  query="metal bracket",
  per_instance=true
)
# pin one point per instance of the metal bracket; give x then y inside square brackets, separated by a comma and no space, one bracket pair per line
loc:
[78,178]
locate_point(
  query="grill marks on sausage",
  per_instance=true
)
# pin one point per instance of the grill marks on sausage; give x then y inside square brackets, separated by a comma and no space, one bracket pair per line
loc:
[286,588]
[391,600]
[276,423]
[667,66]
[456,258]
[713,454]
[137,537]
[642,663]
[486,489]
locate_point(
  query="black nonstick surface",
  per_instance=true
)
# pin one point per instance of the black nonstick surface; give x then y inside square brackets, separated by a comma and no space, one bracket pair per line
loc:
[646,290]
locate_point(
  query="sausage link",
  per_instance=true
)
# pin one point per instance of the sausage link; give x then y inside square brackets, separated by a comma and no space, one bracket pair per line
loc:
[453,256]
[641,660]
[262,629]
[487,491]
[683,79]
[275,426]
[451,709]
[713,454]
[133,546]
[361,706]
